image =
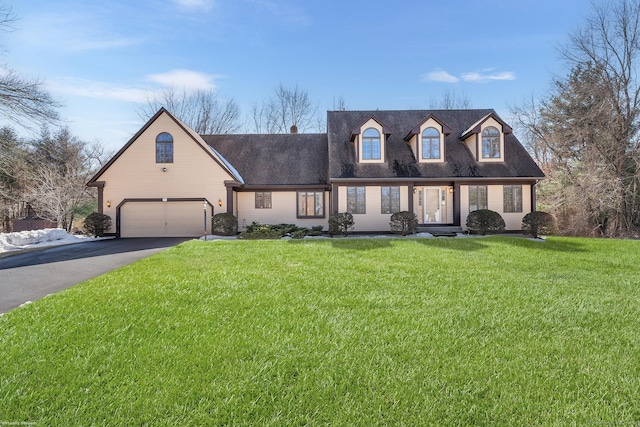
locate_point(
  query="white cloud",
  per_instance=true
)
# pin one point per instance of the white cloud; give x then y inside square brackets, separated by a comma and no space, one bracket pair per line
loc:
[482,76]
[184,79]
[97,90]
[440,76]
[195,4]
[487,75]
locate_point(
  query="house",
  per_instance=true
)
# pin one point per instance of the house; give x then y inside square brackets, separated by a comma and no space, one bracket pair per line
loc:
[440,164]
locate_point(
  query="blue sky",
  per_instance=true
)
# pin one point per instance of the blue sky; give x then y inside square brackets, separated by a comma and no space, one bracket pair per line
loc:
[102,59]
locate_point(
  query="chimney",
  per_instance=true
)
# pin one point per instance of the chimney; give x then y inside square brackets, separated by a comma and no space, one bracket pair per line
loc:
[294,129]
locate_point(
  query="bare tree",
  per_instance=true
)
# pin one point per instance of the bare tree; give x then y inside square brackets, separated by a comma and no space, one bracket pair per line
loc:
[450,100]
[202,110]
[288,107]
[588,125]
[23,100]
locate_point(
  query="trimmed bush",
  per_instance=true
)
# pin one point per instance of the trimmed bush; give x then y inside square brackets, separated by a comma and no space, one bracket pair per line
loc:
[485,221]
[276,231]
[96,224]
[224,224]
[341,223]
[404,223]
[538,222]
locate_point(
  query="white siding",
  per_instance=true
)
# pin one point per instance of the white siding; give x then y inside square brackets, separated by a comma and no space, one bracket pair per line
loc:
[373,219]
[136,175]
[284,209]
[513,221]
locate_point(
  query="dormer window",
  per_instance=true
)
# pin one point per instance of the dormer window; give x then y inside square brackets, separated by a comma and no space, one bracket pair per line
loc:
[491,143]
[486,138]
[369,141]
[371,144]
[430,143]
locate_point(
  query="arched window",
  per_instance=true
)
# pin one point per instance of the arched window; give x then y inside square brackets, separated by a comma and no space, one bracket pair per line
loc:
[164,148]
[491,143]
[371,144]
[430,144]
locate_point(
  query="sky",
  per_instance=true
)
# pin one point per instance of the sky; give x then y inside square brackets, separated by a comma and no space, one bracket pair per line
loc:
[103,59]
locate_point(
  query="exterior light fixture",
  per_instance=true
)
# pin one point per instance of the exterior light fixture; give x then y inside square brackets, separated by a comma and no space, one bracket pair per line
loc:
[164,169]
[108,203]
[450,189]
[219,202]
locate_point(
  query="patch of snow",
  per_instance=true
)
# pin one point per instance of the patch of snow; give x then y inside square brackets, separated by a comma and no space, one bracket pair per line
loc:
[38,238]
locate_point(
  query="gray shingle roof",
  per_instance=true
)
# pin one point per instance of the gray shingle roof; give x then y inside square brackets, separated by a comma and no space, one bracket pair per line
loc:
[278,159]
[312,159]
[401,162]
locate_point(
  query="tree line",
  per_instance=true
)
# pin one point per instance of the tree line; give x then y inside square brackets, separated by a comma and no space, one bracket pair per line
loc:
[584,132]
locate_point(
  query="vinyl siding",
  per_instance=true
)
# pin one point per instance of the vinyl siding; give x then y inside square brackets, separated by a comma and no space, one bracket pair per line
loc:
[283,210]
[135,174]
[373,219]
[513,221]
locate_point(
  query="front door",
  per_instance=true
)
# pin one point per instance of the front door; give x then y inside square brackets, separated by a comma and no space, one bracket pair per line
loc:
[435,205]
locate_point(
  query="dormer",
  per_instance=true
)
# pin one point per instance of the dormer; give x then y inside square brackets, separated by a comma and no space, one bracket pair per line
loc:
[427,140]
[370,141]
[485,138]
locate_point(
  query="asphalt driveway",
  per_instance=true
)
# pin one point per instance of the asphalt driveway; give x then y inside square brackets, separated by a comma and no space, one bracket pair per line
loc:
[32,275]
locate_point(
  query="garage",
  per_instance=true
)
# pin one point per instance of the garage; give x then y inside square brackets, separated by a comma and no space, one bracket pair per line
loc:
[163,218]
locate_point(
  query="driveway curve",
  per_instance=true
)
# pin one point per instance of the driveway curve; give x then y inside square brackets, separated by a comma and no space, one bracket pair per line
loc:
[29,276]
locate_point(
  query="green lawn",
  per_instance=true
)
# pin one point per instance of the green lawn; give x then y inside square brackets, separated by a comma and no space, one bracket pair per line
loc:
[481,331]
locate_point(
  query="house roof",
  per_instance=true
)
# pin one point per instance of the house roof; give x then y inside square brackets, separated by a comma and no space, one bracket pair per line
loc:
[94,181]
[401,163]
[276,159]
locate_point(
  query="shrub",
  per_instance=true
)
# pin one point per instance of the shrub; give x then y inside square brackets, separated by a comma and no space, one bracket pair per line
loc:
[315,231]
[258,231]
[224,224]
[341,223]
[485,221]
[538,222]
[96,224]
[404,223]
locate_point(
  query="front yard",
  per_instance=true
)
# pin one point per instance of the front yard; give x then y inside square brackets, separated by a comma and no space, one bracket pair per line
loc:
[477,331]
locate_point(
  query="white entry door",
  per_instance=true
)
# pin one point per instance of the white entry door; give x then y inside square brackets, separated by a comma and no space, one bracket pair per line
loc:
[435,205]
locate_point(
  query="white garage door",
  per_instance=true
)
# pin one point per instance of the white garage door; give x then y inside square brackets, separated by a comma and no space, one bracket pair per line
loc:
[162,219]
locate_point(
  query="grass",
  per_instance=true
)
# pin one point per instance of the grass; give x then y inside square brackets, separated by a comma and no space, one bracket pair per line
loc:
[482,331]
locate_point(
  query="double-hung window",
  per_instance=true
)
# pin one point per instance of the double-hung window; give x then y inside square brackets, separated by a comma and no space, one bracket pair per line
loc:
[263,200]
[477,197]
[356,200]
[512,197]
[164,148]
[311,204]
[390,201]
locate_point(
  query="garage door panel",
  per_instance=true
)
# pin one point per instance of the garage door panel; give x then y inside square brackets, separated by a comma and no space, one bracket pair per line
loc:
[161,219]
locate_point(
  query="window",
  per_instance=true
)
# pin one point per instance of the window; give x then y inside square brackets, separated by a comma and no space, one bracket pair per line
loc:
[371,144]
[310,204]
[430,144]
[356,202]
[491,143]
[477,197]
[263,200]
[164,148]
[512,198]
[390,200]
